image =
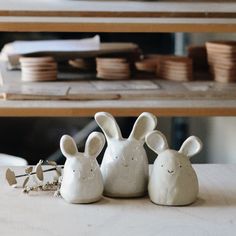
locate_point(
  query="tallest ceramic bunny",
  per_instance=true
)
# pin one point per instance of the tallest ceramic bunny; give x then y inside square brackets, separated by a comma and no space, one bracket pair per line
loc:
[125,164]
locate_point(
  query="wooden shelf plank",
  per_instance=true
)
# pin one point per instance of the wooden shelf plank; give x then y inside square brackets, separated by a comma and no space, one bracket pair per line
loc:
[167,98]
[117,16]
[117,8]
[107,24]
[118,108]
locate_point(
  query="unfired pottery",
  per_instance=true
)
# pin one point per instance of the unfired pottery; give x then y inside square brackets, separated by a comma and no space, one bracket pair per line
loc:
[125,164]
[82,179]
[173,181]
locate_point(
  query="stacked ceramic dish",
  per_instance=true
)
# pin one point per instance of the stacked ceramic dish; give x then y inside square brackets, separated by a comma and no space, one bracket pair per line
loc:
[175,68]
[222,60]
[38,69]
[113,68]
[149,63]
[83,64]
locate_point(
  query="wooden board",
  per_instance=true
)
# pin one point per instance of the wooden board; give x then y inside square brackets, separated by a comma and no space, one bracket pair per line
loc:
[66,8]
[117,16]
[115,24]
[159,107]
[14,89]
[105,49]
[122,98]
[40,213]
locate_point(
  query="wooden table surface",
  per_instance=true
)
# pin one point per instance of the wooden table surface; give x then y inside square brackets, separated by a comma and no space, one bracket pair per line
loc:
[214,213]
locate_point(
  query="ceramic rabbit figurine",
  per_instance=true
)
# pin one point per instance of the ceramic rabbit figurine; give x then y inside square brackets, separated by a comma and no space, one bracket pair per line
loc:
[82,179]
[173,181]
[125,164]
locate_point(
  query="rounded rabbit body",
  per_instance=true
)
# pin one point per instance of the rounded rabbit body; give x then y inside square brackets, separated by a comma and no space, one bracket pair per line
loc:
[173,180]
[125,165]
[125,172]
[82,179]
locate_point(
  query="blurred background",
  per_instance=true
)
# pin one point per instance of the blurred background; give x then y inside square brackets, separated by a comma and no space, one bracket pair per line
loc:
[38,138]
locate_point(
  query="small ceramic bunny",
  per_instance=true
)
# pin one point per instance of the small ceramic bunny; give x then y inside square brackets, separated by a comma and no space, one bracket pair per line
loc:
[125,164]
[173,180]
[82,179]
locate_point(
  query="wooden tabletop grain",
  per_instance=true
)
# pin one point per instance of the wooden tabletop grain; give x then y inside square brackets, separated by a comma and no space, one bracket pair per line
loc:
[214,213]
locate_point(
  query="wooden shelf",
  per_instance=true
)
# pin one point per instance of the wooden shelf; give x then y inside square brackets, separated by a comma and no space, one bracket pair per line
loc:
[117,108]
[86,24]
[121,98]
[117,16]
[122,16]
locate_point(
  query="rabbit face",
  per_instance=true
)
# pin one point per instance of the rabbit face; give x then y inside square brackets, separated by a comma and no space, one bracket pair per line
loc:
[125,165]
[171,163]
[128,154]
[82,179]
[173,180]
[81,169]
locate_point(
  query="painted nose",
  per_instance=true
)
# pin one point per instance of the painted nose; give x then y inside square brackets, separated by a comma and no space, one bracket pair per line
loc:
[124,162]
[170,171]
[77,174]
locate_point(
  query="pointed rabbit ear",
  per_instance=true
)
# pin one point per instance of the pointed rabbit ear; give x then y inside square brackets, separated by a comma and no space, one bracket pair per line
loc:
[156,141]
[68,146]
[94,144]
[108,125]
[191,146]
[145,123]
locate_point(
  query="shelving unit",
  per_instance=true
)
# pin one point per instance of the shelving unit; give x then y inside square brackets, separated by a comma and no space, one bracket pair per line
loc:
[119,16]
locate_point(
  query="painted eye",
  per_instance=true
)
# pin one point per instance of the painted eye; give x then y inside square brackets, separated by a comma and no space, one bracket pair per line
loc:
[91,170]
[116,157]
[162,165]
[180,166]
[74,171]
[132,158]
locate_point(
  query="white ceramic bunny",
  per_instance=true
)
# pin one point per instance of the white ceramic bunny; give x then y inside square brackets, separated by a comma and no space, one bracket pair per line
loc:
[173,181]
[125,164]
[82,179]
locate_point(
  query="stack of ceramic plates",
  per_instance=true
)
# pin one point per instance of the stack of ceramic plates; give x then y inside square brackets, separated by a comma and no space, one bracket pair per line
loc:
[222,60]
[148,64]
[83,63]
[38,69]
[175,68]
[113,68]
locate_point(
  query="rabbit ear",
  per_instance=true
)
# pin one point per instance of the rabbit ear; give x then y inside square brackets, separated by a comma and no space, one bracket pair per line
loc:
[156,141]
[94,144]
[145,123]
[108,125]
[68,146]
[191,146]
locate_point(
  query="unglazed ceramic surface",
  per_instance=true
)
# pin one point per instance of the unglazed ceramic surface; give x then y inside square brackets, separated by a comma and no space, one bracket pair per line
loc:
[125,165]
[173,181]
[82,179]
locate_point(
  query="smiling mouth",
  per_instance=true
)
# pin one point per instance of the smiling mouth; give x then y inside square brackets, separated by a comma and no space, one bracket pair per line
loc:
[170,171]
